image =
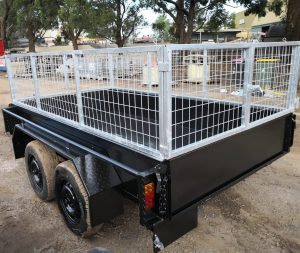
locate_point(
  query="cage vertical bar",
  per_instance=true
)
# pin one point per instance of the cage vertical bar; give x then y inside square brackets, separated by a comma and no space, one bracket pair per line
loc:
[36,82]
[111,70]
[294,77]
[248,78]
[165,101]
[205,73]
[65,70]
[10,77]
[78,90]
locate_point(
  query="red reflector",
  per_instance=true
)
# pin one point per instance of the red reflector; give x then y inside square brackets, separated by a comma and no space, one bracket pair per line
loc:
[149,192]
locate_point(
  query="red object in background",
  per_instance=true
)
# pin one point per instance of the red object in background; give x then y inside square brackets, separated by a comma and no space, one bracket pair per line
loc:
[2,50]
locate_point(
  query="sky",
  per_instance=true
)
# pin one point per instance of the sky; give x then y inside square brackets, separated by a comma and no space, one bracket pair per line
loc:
[150,16]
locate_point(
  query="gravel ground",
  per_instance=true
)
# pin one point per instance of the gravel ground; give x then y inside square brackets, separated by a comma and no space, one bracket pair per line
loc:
[259,214]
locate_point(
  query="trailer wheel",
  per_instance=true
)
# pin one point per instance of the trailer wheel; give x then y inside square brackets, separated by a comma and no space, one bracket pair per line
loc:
[72,200]
[40,166]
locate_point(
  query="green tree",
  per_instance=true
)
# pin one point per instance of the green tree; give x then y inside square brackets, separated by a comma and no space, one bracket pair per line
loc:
[189,15]
[219,18]
[230,22]
[75,18]
[34,17]
[116,20]
[163,29]
[260,7]
[59,41]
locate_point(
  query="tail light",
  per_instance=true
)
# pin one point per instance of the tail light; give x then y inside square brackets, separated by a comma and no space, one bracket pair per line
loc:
[149,193]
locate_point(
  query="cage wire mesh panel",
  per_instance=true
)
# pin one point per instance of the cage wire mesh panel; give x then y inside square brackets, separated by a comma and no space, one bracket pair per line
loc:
[21,75]
[113,93]
[204,86]
[162,101]
[127,107]
[57,86]
[218,90]
[271,81]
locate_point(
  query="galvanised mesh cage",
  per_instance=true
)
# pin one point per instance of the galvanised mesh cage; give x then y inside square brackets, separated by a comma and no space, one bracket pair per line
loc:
[162,101]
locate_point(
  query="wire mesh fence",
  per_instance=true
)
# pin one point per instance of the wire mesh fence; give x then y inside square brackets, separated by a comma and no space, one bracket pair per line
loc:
[162,101]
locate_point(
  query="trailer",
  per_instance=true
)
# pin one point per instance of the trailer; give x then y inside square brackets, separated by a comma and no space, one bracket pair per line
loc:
[169,147]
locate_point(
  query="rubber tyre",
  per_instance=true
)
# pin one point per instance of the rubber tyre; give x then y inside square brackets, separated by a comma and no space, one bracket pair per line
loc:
[66,174]
[46,160]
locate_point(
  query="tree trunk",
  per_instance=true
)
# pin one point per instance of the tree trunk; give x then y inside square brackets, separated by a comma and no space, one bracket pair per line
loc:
[119,42]
[190,23]
[184,22]
[293,20]
[180,27]
[6,9]
[179,22]
[75,43]
[118,35]
[31,39]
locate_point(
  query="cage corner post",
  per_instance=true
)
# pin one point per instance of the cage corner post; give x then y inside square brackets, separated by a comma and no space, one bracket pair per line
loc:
[165,101]
[248,79]
[294,77]
[78,89]
[10,78]
[35,81]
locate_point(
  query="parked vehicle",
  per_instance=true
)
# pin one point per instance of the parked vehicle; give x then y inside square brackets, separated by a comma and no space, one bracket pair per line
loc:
[89,143]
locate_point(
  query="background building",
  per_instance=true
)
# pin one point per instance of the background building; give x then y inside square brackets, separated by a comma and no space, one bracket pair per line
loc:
[223,35]
[269,27]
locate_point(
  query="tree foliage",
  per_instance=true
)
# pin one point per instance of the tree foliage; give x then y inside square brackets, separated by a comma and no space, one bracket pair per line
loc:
[59,41]
[75,18]
[34,17]
[116,20]
[219,18]
[8,22]
[190,15]
[163,29]
[5,12]
[292,15]
[193,15]
[260,7]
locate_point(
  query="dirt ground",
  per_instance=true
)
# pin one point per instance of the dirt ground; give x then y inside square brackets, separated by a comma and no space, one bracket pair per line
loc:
[259,214]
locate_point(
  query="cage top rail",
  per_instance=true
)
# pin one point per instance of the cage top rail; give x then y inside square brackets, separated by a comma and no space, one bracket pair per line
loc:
[231,45]
[155,48]
[152,48]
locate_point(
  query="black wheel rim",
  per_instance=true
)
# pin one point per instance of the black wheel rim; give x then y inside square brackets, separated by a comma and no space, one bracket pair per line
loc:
[36,174]
[69,203]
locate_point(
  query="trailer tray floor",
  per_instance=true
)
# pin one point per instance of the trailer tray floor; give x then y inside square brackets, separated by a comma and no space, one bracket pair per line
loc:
[113,111]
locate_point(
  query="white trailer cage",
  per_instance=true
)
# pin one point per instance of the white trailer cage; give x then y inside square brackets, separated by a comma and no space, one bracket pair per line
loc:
[104,92]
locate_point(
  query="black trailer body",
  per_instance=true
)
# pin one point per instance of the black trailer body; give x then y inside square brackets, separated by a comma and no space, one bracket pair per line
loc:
[169,148]
[181,183]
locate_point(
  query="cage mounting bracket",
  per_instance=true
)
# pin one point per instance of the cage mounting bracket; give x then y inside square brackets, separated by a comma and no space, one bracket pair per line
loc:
[163,67]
